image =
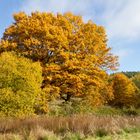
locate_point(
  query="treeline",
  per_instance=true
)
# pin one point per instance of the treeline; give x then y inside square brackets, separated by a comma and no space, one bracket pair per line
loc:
[131,74]
[46,57]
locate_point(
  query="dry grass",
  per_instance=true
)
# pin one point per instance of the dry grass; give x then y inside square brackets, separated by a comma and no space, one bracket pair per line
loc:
[77,124]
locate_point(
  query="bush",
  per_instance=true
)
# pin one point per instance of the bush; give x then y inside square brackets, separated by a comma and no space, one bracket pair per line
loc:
[130,111]
[20,82]
[75,106]
[107,110]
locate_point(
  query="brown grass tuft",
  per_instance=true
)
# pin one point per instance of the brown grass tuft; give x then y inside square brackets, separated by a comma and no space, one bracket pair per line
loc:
[86,124]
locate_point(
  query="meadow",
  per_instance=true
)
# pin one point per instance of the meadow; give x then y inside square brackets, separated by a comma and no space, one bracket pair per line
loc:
[97,126]
[58,81]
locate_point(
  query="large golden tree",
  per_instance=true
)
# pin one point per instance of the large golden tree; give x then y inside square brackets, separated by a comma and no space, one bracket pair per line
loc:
[74,54]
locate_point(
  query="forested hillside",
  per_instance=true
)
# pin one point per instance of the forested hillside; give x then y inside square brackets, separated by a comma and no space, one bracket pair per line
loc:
[131,74]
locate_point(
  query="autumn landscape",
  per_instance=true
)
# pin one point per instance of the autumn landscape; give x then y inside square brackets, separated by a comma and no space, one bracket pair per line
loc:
[61,80]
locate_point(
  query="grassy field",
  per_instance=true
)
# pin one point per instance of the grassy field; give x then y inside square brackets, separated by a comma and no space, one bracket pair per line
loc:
[75,127]
[45,135]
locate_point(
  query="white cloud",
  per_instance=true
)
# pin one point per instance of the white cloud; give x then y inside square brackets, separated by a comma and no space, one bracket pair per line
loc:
[123,20]
[121,17]
[79,6]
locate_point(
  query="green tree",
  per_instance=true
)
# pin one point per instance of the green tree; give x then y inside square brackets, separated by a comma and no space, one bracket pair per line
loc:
[20,85]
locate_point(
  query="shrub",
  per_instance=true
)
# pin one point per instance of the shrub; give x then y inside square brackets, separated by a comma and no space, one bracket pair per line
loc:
[75,106]
[20,82]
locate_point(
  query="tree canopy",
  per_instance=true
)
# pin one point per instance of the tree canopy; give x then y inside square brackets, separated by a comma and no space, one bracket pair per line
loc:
[20,85]
[74,54]
[131,74]
[136,80]
[124,91]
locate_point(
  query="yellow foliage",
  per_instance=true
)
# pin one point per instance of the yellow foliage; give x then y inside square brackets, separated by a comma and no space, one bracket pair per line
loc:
[20,85]
[74,55]
[101,95]
[124,91]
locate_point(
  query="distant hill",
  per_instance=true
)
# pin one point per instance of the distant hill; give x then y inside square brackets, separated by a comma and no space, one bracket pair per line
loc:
[130,74]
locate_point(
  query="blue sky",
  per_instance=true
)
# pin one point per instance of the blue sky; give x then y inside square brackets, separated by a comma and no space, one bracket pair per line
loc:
[121,19]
